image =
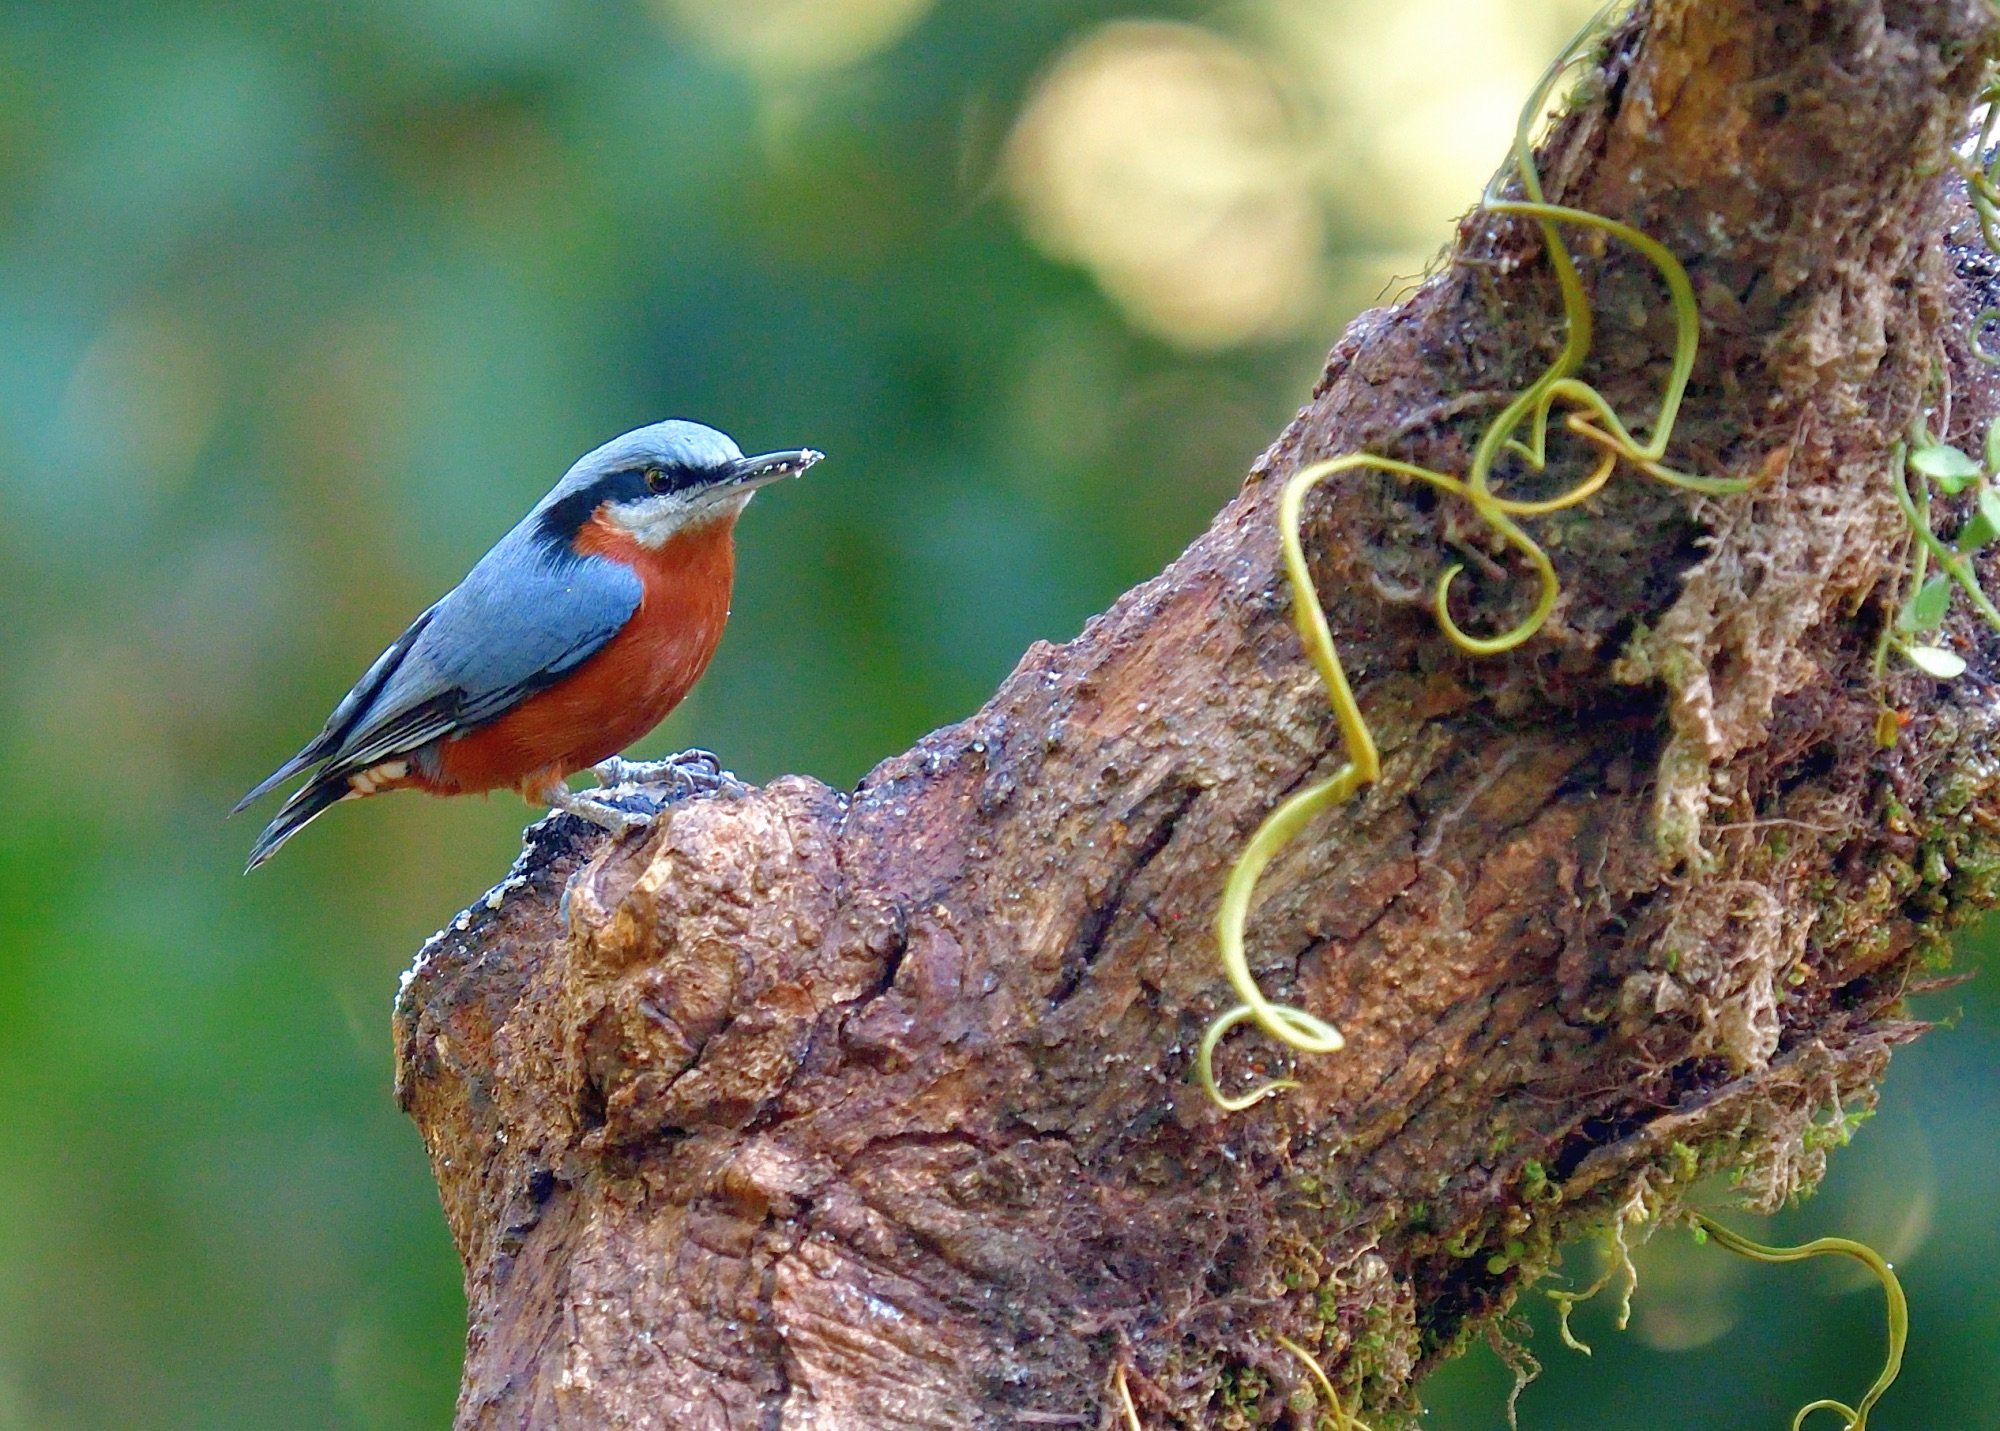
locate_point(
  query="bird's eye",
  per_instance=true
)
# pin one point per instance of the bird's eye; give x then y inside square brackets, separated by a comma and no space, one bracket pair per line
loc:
[657,479]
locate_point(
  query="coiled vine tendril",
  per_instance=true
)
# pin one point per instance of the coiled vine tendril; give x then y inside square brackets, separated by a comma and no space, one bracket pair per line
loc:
[1898,1308]
[1589,416]
[1343,1419]
[1981,171]
[1521,430]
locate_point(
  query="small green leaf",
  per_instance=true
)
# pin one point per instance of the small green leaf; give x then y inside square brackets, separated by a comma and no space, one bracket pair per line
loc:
[1927,605]
[1951,469]
[1985,523]
[1936,661]
[1993,445]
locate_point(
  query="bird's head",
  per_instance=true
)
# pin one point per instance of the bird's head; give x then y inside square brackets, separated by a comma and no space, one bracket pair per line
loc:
[658,481]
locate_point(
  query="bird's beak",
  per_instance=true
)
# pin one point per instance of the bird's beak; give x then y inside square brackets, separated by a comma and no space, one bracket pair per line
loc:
[754,472]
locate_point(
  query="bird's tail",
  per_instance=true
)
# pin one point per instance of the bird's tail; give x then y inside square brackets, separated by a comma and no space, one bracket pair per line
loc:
[278,777]
[304,806]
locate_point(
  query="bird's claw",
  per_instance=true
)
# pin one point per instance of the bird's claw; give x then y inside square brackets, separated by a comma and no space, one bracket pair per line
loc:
[693,771]
[600,813]
[610,817]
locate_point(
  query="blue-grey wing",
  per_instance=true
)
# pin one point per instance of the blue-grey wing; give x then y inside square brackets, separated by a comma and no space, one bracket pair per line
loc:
[344,716]
[523,618]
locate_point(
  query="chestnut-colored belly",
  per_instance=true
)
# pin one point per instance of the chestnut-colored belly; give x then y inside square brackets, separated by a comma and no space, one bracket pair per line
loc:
[622,691]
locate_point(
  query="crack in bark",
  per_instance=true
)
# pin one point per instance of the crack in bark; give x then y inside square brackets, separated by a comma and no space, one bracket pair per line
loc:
[1097,921]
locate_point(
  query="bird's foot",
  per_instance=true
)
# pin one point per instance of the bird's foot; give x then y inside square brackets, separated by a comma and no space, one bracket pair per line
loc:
[600,813]
[692,771]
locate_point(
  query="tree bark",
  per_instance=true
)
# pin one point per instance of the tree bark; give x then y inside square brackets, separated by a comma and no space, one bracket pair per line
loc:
[812,1109]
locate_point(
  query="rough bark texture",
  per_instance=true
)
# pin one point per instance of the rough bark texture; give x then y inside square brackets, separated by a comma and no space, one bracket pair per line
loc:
[813,1109]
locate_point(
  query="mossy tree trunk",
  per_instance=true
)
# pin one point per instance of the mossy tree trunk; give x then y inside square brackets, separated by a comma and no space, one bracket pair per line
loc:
[814,1109]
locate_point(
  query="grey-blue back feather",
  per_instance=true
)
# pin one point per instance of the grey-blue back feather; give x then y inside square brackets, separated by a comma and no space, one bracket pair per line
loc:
[524,617]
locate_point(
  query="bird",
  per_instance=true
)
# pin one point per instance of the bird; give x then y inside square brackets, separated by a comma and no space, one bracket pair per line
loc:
[569,640]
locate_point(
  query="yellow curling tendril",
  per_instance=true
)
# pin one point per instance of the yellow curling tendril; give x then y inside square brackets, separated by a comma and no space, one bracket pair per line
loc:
[1590,417]
[1125,1402]
[1892,1292]
[1342,1420]
[1982,185]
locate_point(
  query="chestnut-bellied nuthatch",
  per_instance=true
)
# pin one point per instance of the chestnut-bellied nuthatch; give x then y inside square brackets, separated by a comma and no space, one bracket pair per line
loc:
[573,637]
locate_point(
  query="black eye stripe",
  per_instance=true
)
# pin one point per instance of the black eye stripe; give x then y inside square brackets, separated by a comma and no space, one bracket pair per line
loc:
[562,520]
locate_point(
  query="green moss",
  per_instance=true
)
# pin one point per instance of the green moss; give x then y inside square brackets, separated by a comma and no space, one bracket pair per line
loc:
[1239,1397]
[1327,1305]
[1683,1162]
[1875,942]
[1510,1255]
[1975,877]
[1837,1130]
[1678,667]
[1677,831]
[1955,798]
[1901,877]
[1933,950]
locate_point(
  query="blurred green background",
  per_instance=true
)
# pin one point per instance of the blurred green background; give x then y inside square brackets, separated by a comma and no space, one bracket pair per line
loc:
[301,304]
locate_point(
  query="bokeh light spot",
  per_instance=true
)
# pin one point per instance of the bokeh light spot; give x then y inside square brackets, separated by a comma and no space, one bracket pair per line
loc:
[796,36]
[1163,158]
[1417,99]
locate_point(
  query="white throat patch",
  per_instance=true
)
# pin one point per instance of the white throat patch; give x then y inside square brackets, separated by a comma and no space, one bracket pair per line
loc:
[654,521]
